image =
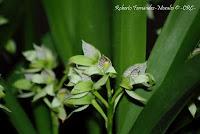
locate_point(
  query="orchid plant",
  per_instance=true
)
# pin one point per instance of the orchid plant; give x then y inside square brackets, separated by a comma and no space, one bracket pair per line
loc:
[88,75]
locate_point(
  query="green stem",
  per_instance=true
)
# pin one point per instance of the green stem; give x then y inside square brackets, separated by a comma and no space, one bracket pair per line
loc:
[55,124]
[110,117]
[101,98]
[111,102]
[42,118]
[118,91]
[63,79]
[108,87]
[100,110]
[110,108]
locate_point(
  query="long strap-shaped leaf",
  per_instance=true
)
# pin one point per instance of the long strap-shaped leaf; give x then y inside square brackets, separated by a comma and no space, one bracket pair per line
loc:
[94,24]
[171,97]
[128,47]
[61,17]
[17,116]
[179,36]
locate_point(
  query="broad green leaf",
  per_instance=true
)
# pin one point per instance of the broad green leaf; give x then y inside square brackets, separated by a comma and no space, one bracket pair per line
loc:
[42,117]
[23,84]
[174,98]
[63,27]
[19,115]
[82,87]
[177,40]
[81,60]
[94,25]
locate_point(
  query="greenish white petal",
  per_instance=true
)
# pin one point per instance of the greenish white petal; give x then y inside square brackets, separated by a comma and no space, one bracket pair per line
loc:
[135,96]
[82,87]
[23,84]
[90,51]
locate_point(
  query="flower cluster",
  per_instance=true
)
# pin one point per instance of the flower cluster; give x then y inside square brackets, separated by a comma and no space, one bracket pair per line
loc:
[81,70]
[86,90]
[87,75]
[39,80]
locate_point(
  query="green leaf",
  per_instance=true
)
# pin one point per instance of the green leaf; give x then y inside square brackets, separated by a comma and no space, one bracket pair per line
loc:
[94,26]
[175,43]
[18,116]
[81,60]
[82,87]
[63,27]
[42,117]
[23,84]
[174,98]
